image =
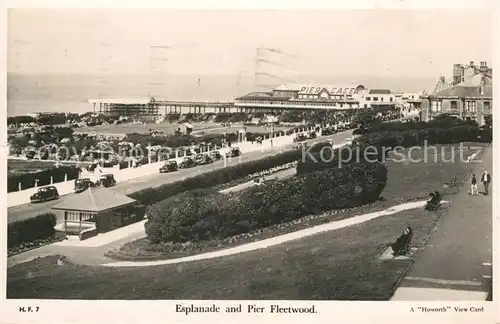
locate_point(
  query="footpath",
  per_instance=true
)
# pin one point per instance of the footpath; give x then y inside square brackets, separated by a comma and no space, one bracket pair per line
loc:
[91,251]
[451,266]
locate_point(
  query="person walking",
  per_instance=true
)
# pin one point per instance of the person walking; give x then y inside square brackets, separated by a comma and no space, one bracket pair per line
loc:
[473,186]
[486,179]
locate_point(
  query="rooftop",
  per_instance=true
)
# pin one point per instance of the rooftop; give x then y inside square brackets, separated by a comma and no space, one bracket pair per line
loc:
[379,91]
[465,91]
[122,101]
[94,200]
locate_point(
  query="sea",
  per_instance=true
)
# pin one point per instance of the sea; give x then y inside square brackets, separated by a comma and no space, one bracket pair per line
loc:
[32,93]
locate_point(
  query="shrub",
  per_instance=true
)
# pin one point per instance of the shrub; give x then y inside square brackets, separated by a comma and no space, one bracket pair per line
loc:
[217,177]
[31,229]
[27,180]
[384,141]
[206,214]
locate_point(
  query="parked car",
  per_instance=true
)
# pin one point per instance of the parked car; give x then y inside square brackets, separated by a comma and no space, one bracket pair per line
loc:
[299,138]
[169,166]
[202,159]
[107,180]
[233,151]
[187,162]
[311,135]
[45,194]
[83,184]
[215,155]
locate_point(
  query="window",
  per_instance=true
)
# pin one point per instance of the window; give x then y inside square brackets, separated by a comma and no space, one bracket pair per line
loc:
[470,106]
[487,105]
[390,99]
[366,106]
[453,105]
[368,98]
[375,98]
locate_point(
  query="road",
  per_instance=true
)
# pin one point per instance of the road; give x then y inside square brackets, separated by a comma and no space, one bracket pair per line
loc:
[26,211]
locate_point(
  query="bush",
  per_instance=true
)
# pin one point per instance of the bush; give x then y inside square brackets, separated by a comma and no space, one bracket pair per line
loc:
[31,229]
[384,141]
[27,180]
[206,214]
[217,177]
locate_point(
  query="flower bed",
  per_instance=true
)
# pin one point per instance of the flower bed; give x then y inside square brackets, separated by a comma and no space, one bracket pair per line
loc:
[205,213]
[27,246]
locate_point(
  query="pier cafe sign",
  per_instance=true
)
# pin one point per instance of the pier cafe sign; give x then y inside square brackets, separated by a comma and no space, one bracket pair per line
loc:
[331,91]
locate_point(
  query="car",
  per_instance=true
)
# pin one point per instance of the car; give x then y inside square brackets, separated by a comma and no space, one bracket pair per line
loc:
[83,184]
[300,138]
[311,135]
[215,155]
[45,194]
[233,151]
[107,180]
[187,162]
[169,166]
[202,159]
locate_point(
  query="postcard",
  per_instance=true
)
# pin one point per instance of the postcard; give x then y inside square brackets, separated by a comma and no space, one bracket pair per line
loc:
[262,162]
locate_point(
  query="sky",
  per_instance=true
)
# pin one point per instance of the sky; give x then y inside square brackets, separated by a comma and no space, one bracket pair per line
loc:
[342,42]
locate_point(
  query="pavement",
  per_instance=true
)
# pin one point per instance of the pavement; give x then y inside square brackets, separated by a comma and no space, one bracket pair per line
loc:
[26,211]
[451,264]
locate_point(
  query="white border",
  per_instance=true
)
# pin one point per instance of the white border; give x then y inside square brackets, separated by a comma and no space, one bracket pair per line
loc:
[163,311]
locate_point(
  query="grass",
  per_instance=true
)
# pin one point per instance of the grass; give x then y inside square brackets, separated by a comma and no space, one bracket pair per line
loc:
[323,266]
[405,182]
[167,128]
[30,166]
[320,267]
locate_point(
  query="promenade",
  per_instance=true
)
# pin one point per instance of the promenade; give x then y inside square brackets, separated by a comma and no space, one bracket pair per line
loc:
[450,267]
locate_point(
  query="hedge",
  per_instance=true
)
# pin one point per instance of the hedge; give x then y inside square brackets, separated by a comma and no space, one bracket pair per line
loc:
[206,214]
[31,229]
[441,122]
[27,180]
[383,142]
[150,196]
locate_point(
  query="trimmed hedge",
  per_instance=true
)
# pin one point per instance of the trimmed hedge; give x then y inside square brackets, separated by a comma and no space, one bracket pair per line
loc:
[31,229]
[206,214]
[381,143]
[28,179]
[150,196]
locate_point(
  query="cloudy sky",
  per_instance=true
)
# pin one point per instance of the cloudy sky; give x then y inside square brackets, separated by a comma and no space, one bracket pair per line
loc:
[391,43]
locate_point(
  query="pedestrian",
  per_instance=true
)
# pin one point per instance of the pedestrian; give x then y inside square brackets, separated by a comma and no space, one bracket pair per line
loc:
[473,186]
[486,179]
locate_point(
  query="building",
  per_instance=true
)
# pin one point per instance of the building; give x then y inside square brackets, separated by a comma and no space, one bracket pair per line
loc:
[185,128]
[127,107]
[470,99]
[373,98]
[297,97]
[101,209]
[462,71]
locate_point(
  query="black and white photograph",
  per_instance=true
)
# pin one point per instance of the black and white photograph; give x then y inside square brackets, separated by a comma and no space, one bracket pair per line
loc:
[250,155]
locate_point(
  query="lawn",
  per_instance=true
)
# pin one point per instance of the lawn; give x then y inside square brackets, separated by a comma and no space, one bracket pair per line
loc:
[29,166]
[405,182]
[337,265]
[167,128]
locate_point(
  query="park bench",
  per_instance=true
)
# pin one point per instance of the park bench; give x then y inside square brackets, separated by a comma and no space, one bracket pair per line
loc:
[402,244]
[435,201]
